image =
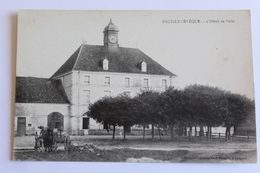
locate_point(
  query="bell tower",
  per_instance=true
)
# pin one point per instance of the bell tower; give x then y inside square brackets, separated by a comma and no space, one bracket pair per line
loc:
[111,35]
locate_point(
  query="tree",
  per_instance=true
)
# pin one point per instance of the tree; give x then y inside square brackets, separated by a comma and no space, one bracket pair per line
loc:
[125,112]
[102,112]
[141,114]
[206,106]
[239,108]
[116,111]
[150,108]
[173,107]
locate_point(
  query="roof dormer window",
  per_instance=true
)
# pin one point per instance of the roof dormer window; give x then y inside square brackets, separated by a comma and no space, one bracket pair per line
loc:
[105,64]
[143,66]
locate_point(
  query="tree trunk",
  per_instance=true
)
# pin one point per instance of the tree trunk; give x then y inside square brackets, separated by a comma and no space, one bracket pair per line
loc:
[159,131]
[114,130]
[227,132]
[152,131]
[185,131]
[201,131]
[235,130]
[180,130]
[124,129]
[208,133]
[171,127]
[195,131]
[190,132]
[143,132]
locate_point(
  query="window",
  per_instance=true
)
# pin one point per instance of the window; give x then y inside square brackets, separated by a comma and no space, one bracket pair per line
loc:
[107,81]
[146,83]
[107,93]
[86,79]
[164,83]
[143,66]
[128,93]
[127,82]
[85,123]
[105,64]
[86,96]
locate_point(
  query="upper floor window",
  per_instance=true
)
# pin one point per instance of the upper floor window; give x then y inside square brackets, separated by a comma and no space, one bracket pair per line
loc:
[143,66]
[127,82]
[86,79]
[146,83]
[105,64]
[107,81]
[86,96]
[164,83]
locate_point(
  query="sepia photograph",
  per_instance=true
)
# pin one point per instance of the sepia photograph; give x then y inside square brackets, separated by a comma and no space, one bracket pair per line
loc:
[134,86]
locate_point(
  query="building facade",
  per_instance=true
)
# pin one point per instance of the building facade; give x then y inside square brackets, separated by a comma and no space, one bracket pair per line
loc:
[92,72]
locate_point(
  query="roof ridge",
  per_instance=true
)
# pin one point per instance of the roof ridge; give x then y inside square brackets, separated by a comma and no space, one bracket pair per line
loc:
[72,57]
[62,90]
[80,49]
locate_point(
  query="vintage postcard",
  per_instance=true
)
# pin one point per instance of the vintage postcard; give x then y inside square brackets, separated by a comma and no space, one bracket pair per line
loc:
[134,86]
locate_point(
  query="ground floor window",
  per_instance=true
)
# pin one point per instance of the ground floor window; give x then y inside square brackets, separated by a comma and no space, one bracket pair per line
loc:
[85,124]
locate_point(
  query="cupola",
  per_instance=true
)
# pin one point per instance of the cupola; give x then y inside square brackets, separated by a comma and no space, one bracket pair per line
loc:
[111,35]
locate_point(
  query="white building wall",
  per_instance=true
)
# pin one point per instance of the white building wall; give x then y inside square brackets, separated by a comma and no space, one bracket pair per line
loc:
[76,89]
[36,115]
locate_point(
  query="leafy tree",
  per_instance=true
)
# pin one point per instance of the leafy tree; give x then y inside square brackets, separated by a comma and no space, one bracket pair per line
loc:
[102,112]
[150,106]
[206,106]
[173,107]
[116,111]
[125,112]
[239,108]
[141,113]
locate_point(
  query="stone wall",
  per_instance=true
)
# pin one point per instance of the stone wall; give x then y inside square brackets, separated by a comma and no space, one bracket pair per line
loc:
[36,115]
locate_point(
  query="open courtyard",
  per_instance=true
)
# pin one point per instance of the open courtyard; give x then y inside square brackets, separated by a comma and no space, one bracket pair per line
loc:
[134,149]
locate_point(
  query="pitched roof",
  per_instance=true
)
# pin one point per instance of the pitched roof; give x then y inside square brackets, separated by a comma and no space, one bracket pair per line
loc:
[121,59]
[39,90]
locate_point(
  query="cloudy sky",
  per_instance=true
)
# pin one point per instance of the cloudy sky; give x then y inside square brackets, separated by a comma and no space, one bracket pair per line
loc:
[215,50]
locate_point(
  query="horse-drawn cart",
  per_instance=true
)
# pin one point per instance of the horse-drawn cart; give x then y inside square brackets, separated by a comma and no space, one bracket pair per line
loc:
[48,139]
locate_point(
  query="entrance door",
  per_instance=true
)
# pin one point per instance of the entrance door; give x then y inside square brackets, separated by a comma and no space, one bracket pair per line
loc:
[55,120]
[85,124]
[21,126]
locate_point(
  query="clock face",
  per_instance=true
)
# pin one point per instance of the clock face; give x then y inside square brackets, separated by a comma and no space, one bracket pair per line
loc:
[112,39]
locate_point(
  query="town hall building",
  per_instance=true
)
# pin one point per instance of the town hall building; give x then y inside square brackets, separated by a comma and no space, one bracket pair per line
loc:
[91,72]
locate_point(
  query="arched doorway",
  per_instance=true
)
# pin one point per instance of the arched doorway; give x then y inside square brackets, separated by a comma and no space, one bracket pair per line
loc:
[55,120]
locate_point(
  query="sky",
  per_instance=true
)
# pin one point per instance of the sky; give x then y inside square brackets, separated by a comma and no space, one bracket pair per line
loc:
[200,47]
